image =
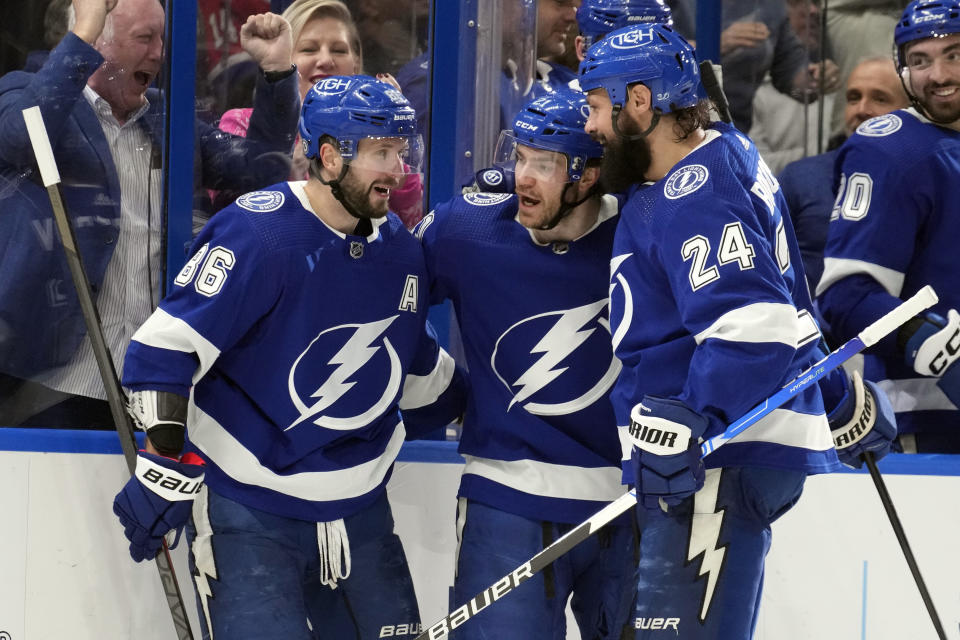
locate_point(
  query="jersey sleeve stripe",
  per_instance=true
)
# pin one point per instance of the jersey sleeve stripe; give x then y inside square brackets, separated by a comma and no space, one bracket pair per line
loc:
[916,394]
[791,429]
[419,391]
[235,460]
[760,322]
[836,269]
[549,480]
[164,331]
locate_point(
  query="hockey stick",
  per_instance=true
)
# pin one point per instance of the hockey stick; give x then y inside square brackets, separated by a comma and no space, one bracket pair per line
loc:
[711,85]
[51,180]
[869,336]
[902,539]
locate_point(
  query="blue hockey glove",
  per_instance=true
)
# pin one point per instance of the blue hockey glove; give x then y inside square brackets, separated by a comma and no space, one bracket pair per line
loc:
[157,499]
[666,451]
[861,420]
[933,350]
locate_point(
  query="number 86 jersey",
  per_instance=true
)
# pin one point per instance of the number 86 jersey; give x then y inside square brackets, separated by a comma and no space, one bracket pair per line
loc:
[709,305]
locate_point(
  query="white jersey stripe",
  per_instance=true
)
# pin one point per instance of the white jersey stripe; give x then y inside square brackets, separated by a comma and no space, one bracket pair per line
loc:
[419,391]
[836,269]
[163,331]
[226,452]
[568,482]
[790,429]
[760,322]
[916,394]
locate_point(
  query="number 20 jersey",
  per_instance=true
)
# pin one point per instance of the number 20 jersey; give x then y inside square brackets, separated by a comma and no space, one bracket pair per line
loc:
[709,305]
[894,229]
[297,341]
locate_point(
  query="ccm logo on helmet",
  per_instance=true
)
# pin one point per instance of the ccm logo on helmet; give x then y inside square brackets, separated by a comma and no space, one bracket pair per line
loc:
[632,39]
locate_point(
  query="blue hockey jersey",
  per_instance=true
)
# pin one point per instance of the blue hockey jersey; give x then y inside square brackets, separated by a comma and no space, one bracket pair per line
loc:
[296,344]
[539,435]
[709,306]
[894,229]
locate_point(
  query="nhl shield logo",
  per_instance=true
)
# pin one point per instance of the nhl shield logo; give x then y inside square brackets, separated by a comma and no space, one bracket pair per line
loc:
[356,249]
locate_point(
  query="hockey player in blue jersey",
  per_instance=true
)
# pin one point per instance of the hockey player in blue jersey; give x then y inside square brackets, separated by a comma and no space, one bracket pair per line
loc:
[710,315]
[894,228]
[527,275]
[595,19]
[292,341]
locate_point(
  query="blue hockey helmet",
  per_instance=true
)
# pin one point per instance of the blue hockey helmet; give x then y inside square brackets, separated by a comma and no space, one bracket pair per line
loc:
[655,55]
[597,18]
[351,108]
[553,122]
[925,19]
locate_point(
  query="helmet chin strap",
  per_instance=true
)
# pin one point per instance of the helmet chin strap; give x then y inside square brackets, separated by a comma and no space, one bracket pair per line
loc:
[615,116]
[904,75]
[567,207]
[364,226]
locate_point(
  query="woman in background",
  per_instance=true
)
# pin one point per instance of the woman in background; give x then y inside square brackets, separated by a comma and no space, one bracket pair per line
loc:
[326,43]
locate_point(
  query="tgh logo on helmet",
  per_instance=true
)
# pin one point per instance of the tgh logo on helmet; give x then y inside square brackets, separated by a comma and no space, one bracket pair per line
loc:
[632,39]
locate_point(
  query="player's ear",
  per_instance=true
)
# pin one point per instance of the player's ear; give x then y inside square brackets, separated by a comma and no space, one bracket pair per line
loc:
[578,44]
[330,157]
[589,177]
[638,98]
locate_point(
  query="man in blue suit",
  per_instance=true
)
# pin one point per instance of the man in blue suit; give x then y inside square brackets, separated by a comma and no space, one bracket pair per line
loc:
[105,126]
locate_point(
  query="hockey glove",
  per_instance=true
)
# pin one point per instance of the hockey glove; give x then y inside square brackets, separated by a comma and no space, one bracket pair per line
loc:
[163,416]
[861,419]
[666,451]
[933,347]
[157,499]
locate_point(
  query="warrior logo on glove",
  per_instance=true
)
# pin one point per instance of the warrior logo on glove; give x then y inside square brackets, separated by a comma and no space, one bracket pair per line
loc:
[657,435]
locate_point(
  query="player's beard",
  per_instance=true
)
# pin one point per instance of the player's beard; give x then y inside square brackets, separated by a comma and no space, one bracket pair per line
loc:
[940,112]
[357,195]
[625,159]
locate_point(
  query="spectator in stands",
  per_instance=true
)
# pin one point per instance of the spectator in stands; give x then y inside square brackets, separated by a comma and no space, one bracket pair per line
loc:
[556,30]
[859,29]
[756,39]
[54,28]
[785,129]
[326,43]
[873,89]
[105,126]
[227,75]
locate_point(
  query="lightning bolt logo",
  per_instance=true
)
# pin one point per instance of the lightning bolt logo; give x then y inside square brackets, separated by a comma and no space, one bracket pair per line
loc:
[704,533]
[561,340]
[355,353]
[205,566]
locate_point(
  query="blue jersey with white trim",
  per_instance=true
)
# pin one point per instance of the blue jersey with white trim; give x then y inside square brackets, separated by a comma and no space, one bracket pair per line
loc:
[539,434]
[709,306]
[296,344]
[894,229]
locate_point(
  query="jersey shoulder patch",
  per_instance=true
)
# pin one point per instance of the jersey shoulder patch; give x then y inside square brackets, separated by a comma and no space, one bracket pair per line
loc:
[880,126]
[261,201]
[685,181]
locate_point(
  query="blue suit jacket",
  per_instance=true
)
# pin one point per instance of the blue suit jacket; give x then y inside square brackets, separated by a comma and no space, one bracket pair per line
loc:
[38,302]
